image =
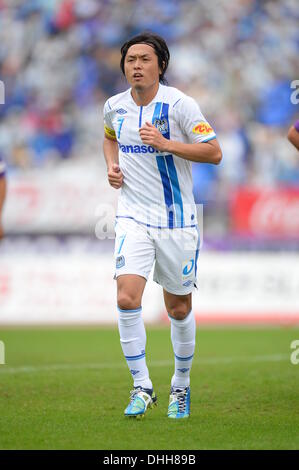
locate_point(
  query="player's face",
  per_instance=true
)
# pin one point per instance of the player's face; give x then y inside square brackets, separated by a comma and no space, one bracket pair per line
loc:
[141,66]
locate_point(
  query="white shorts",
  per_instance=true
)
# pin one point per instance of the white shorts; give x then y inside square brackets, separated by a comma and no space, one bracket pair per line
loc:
[174,251]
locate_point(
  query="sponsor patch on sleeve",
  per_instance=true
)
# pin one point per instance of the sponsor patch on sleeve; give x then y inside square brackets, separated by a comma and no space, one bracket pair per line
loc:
[203,128]
[109,132]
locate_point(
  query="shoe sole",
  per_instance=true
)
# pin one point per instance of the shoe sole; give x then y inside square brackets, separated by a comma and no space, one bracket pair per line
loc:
[181,417]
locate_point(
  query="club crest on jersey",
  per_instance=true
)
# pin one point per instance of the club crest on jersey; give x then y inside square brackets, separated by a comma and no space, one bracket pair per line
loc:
[161,125]
[202,128]
[121,111]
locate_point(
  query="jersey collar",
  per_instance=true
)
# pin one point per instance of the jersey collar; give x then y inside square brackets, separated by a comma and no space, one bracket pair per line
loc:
[154,100]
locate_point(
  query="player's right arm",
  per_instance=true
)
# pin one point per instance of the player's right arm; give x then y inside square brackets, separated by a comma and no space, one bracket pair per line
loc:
[110,148]
[115,176]
[293,135]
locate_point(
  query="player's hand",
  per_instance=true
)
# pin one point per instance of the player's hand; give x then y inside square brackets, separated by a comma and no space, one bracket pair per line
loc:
[151,136]
[115,176]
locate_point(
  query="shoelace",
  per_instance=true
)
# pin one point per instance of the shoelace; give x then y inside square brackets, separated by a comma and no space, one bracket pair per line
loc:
[133,393]
[181,399]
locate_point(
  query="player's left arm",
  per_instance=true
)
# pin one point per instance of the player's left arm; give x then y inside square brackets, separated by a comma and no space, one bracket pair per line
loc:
[202,145]
[203,152]
[293,136]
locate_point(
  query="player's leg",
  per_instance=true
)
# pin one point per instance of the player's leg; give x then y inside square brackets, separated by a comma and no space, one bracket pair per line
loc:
[134,254]
[132,332]
[175,270]
[183,332]
[130,289]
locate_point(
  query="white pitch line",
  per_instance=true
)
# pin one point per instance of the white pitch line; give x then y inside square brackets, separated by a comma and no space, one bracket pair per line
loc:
[209,360]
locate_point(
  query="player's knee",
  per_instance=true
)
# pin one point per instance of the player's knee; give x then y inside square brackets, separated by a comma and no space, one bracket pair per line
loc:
[179,312]
[126,301]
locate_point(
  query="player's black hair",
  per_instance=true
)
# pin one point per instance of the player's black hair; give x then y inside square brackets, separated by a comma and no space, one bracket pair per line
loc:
[157,43]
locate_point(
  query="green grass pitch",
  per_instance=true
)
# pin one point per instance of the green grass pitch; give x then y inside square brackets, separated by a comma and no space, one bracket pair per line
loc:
[67,389]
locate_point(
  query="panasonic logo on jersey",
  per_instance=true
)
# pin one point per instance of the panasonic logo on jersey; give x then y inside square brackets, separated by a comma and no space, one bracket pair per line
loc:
[137,148]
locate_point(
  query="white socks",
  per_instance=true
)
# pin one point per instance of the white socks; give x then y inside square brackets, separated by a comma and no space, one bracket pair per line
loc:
[183,342]
[133,339]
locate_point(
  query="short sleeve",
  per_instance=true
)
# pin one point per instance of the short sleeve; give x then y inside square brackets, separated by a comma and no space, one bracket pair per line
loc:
[108,126]
[192,122]
[2,167]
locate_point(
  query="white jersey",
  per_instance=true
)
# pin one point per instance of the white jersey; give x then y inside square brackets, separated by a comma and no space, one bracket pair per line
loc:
[157,186]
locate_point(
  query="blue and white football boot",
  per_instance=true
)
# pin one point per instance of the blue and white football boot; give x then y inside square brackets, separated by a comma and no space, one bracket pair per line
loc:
[140,400]
[179,403]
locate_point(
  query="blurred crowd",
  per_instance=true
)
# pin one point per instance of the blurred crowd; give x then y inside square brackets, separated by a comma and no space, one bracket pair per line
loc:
[59,61]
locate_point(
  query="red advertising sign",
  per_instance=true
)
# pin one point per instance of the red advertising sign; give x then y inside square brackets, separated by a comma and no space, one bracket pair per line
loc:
[270,213]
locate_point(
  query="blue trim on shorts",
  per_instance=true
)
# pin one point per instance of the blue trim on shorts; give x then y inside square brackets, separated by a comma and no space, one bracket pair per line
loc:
[149,225]
[121,243]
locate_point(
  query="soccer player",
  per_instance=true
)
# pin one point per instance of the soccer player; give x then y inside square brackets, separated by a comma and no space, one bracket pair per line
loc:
[2,192]
[152,134]
[293,134]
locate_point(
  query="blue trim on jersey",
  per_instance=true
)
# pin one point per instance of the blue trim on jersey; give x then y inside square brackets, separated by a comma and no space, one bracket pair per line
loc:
[166,187]
[176,102]
[157,111]
[179,210]
[184,358]
[140,116]
[129,311]
[207,140]
[135,358]
[164,115]
[149,225]
[161,161]
[174,182]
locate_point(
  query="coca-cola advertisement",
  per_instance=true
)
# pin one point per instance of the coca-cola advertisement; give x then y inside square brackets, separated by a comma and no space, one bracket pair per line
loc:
[267,213]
